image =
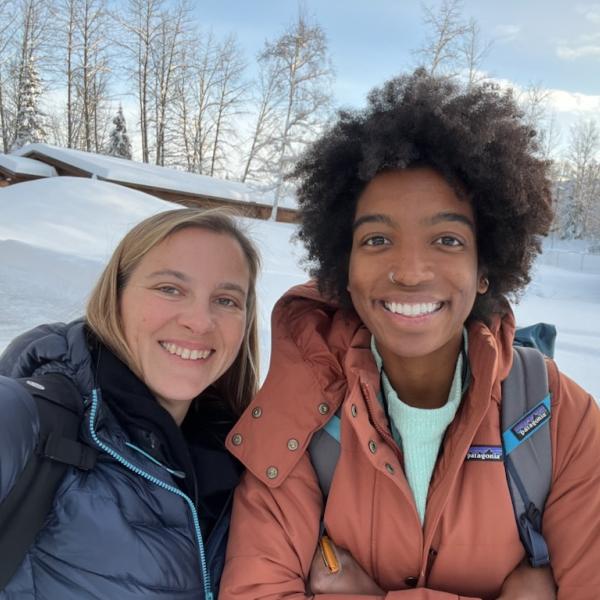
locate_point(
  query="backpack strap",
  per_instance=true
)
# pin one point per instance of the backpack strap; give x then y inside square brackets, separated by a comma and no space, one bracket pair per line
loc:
[527,446]
[324,452]
[24,511]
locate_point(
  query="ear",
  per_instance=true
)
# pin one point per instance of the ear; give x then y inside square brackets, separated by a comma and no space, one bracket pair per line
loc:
[483,284]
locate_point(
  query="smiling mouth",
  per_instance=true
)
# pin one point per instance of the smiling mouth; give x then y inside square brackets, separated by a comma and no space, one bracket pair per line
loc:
[186,353]
[421,309]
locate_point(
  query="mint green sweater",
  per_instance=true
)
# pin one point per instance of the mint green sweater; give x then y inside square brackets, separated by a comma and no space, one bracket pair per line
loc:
[419,431]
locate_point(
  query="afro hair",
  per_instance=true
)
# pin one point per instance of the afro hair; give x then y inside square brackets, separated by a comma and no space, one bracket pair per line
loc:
[475,137]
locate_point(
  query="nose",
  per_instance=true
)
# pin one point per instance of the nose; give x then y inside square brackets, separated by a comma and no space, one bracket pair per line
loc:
[197,316]
[410,267]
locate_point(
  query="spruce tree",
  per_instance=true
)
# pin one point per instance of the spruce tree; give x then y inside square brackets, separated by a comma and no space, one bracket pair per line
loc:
[29,122]
[119,144]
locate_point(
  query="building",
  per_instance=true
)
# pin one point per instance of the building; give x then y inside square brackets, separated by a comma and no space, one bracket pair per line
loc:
[34,161]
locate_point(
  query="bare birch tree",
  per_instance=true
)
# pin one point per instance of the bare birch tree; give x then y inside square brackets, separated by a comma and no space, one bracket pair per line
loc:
[230,90]
[91,71]
[534,100]
[140,26]
[6,38]
[267,100]
[65,16]
[582,202]
[195,102]
[300,59]
[473,50]
[446,32]
[167,63]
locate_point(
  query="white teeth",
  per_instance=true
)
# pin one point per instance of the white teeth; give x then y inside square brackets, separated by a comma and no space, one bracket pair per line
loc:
[412,310]
[185,353]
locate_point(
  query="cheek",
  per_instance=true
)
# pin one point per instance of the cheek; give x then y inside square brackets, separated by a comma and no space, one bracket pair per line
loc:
[235,337]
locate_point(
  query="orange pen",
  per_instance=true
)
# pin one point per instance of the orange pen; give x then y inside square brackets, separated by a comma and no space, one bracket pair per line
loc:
[328,554]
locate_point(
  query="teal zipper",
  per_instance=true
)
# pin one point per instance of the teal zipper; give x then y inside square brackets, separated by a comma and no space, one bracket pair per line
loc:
[178,474]
[208,595]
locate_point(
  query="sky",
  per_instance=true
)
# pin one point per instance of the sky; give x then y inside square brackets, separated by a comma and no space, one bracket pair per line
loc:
[554,43]
[57,233]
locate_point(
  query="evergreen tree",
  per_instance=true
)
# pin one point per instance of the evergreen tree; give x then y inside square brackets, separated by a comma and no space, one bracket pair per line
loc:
[29,122]
[119,144]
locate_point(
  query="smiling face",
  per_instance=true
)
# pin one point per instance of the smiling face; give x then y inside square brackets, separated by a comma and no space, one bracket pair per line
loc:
[413,274]
[183,312]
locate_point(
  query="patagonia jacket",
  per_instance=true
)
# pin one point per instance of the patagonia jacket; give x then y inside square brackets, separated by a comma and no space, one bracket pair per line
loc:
[468,544]
[123,530]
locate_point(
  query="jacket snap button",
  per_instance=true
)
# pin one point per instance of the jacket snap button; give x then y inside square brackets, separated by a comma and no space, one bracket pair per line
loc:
[272,472]
[372,446]
[323,408]
[293,444]
[236,440]
[354,410]
[389,468]
[411,581]
[257,412]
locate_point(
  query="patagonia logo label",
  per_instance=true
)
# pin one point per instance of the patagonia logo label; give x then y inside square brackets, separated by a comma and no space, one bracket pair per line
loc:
[531,421]
[493,453]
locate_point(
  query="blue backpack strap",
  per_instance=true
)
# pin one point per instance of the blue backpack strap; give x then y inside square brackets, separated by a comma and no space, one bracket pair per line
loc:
[324,452]
[527,446]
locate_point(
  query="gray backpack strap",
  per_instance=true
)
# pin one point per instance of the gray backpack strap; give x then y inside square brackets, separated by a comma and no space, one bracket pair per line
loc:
[527,446]
[324,451]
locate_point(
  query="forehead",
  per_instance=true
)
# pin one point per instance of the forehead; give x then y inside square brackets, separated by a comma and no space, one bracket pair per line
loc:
[413,192]
[199,252]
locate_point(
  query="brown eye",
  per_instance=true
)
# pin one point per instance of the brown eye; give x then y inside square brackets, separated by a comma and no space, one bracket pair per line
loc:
[376,240]
[449,240]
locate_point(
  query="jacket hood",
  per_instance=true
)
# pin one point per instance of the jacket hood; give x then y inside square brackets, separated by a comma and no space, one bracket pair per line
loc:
[54,348]
[319,353]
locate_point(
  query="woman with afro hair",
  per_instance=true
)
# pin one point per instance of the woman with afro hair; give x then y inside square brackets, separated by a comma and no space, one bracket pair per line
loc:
[421,215]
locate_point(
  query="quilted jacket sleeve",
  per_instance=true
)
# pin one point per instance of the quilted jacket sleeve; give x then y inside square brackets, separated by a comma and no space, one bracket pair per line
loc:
[572,514]
[273,537]
[19,430]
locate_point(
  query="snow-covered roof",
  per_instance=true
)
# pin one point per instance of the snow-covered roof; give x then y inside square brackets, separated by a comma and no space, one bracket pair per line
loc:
[20,165]
[144,175]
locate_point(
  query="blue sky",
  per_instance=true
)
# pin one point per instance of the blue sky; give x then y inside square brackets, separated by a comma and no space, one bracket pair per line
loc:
[555,43]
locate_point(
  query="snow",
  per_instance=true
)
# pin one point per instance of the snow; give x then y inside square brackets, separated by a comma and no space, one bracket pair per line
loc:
[20,165]
[55,235]
[115,169]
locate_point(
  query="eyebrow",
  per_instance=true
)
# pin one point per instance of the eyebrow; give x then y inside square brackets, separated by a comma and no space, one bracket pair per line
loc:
[375,218]
[434,220]
[443,217]
[169,272]
[234,287]
[226,285]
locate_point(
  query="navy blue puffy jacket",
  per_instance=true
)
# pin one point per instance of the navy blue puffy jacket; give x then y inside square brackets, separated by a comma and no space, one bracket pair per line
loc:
[121,531]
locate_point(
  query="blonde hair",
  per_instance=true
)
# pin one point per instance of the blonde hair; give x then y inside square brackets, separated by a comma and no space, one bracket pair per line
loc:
[239,383]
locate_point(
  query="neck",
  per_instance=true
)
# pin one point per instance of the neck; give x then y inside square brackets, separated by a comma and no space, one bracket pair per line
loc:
[423,382]
[177,410]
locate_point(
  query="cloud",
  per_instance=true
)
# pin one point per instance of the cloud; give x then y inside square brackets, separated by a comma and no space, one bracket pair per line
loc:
[586,45]
[575,52]
[507,32]
[591,12]
[574,102]
[559,101]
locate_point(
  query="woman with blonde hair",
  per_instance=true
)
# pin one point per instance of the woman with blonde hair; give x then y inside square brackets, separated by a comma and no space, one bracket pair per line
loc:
[165,359]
